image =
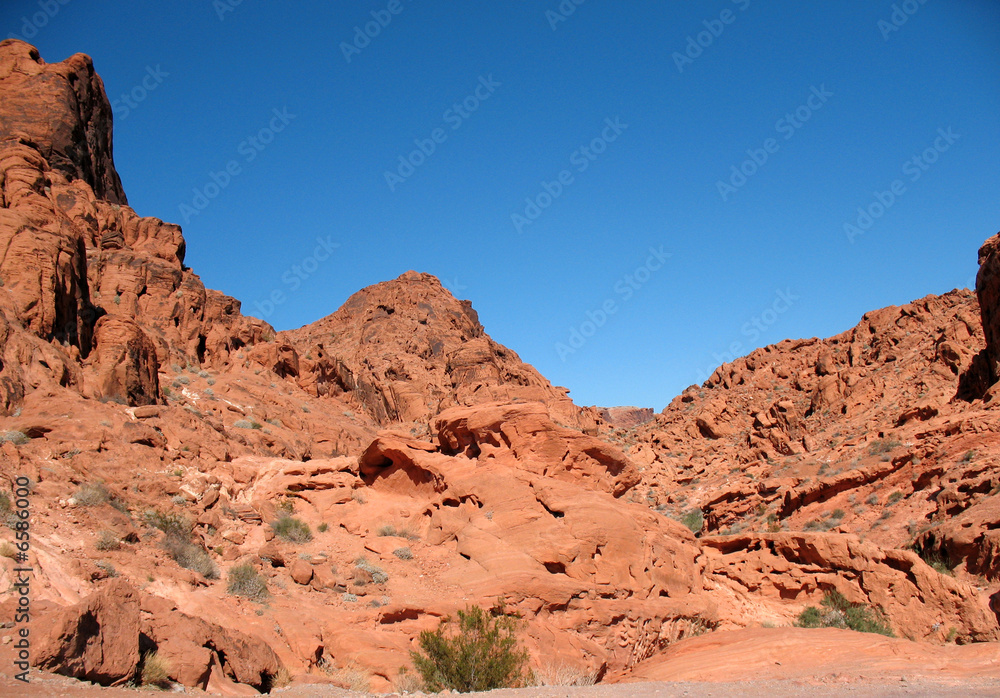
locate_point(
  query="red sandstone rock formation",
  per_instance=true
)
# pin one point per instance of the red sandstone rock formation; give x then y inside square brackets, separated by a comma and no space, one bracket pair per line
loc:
[400,433]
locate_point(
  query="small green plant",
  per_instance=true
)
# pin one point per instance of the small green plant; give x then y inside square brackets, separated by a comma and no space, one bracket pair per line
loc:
[92,494]
[693,519]
[894,497]
[190,556]
[952,634]
[969,455]
[155,671]
[841,613]
[936,560]
[323,527]
[291,529]
[480,653]
[244,580]
[403,553]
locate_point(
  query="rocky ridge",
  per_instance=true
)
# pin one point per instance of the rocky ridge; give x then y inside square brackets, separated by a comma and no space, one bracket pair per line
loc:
[166,435]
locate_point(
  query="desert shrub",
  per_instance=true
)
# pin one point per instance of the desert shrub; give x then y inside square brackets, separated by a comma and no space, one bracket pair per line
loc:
[386,530]
[936,560]
[883,446]
[107,568]
[481,653]
[349,597]
[291,529]
[838,514]
[322,528]
[8,550]
[183,380]
[693,519]
[407,682]
[561,675]
[403,553]
[155,670]
[107,541]
[171,524]
[247,424]
[18,438]
[378,574]
[244,580]
[190,556]
[894,497]
[92,494]
[841,613]
[5,507]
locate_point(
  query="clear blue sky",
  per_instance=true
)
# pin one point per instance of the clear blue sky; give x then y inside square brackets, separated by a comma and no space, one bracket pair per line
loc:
[866,94]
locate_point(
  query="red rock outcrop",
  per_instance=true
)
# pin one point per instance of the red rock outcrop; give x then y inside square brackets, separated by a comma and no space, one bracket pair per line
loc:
[96,640]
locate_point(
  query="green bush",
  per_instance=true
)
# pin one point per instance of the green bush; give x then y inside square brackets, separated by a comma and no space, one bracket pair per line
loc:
[291,529]
[190,556]
[244,580]
[480,654]
[841,613]
[693,519]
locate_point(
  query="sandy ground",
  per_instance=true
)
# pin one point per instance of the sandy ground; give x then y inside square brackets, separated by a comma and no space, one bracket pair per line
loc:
[49,685]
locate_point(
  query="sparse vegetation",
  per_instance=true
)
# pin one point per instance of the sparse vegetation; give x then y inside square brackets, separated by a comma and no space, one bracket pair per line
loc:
[92,494]
[693,519]
[480,653]
[8,550]
[969,455]
[841,613]
[244,580]
[561,675]
[107,568]
[291,529]
[377,573]
[322,528]
[893,498]
[171,524]
[107,541]
[155,671]
[882,447]
[18,438]
[190,556]
[247,424]
[403,553]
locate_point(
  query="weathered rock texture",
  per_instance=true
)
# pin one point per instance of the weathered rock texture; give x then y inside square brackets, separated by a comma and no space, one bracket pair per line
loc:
[166,435]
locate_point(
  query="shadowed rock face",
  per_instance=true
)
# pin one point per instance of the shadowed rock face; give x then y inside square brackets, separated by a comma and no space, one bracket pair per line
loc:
[62,110]
[400,433]
[988,292]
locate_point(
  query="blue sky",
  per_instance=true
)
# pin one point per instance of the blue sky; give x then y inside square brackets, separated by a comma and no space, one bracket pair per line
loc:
[629,194]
